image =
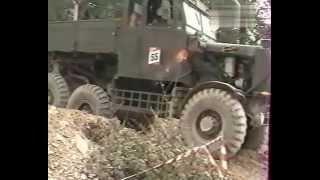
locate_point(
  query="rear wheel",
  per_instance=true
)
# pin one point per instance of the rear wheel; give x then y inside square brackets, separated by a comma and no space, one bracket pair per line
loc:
[58,91]
[210,113]
[92,99]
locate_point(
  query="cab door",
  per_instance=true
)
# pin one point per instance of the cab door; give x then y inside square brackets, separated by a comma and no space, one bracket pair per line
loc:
[163,38]
[129,40]
[147,48]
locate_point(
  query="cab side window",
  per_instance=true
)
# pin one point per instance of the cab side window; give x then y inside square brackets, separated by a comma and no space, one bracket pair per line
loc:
[60,10]
[160,12]
[100,9]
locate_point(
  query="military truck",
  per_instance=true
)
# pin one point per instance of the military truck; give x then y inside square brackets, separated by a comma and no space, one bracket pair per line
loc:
[122,57]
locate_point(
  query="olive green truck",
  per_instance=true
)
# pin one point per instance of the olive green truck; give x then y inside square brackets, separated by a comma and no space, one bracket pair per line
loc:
[164,57]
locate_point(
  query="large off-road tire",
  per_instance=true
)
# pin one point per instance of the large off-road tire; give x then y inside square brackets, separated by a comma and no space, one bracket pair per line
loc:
[58,91]
[211,113]
[92,99]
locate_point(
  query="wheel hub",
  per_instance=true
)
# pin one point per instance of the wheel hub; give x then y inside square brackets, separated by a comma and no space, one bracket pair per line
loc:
[86,108]
[209,124]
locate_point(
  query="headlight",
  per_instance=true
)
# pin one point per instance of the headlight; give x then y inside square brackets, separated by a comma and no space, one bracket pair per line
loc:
[182,55]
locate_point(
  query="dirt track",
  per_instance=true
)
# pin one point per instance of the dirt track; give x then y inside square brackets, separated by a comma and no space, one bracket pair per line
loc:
[74,152]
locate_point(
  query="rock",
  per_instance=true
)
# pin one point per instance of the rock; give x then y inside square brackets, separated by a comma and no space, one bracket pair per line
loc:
[82,144]
[68,148]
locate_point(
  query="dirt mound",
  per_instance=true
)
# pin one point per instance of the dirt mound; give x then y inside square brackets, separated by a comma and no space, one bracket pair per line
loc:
[68,146]
[83,146]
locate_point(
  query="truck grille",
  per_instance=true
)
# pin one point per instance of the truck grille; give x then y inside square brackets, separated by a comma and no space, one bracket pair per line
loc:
[142,102]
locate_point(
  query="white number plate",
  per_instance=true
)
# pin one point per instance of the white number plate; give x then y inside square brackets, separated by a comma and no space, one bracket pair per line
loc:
[154,55]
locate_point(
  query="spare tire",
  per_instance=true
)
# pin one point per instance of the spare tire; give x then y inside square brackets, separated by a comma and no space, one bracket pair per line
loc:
[92,99]
[58,90]
[211,113]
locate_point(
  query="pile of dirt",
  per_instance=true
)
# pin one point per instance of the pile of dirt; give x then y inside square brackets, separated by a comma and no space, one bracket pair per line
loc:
[83,146]
[68,147]
[248,165]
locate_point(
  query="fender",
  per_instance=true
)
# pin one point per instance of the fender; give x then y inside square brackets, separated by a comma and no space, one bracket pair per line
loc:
[237,93]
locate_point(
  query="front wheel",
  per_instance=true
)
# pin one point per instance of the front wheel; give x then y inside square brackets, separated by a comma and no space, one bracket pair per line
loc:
[211,113]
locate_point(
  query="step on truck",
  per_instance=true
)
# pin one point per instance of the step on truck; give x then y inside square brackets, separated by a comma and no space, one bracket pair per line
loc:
[163,57]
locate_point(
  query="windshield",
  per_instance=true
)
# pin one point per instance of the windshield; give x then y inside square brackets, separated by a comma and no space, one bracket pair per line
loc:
[198,20]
